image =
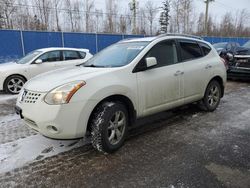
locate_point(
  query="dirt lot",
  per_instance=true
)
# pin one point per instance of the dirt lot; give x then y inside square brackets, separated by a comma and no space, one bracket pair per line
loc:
[182,148]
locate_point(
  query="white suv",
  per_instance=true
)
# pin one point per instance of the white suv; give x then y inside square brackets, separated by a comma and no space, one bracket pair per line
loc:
[128,80]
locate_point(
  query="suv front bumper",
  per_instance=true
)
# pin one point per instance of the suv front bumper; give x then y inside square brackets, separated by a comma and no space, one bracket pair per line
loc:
[66,121]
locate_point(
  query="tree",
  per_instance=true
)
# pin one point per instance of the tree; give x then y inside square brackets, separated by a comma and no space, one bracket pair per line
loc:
[151,13]
[111,12]
[201,24]
[44,12]
[56,5]
[165,16]
[88,7]
[8,8]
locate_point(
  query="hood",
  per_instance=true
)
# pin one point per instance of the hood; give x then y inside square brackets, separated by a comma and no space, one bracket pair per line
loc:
[9,66]
[242,51]
[47,81]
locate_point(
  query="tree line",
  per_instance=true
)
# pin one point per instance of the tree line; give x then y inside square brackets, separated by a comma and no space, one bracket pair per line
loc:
[176,16]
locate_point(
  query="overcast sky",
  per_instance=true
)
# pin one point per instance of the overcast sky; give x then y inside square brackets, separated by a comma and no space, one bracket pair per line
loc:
[216,9]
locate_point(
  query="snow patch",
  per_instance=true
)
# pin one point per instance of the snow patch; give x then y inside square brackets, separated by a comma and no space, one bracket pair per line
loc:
[5,97]
[21,152]
[9,118]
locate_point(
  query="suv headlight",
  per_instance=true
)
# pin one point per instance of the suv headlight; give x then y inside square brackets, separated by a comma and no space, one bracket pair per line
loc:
[63,94]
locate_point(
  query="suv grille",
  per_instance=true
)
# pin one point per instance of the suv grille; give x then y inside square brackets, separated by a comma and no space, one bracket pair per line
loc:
[31,97]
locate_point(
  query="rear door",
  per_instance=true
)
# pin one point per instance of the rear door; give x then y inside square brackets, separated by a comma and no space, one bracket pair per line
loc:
[159,87]
[197,69]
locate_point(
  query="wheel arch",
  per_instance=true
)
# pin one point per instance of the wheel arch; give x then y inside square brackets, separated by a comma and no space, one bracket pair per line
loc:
[220,81]
[117,98]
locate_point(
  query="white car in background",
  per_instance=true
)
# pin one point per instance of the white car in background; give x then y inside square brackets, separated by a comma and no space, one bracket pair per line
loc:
[13,75]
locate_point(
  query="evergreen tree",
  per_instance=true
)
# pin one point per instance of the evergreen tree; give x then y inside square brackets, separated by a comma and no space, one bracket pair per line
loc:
[165,16]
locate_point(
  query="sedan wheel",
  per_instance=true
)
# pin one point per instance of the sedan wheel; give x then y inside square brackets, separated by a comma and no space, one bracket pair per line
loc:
[14,84]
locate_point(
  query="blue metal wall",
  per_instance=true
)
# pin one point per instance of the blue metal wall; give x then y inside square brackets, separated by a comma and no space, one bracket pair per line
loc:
[14,44]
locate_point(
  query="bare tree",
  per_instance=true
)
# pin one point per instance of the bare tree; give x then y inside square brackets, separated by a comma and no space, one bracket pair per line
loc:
[56,6]
[44,11]
[142,23]
[98,20]
[241,18]
[8,8]
[176,5]
[70,13]
[151,13]
[111,12]
[88,8]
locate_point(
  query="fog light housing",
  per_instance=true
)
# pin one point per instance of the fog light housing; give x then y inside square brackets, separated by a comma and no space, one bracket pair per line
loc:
[52,129]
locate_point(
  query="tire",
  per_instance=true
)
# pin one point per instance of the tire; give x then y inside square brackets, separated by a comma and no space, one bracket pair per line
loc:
[212,96]
[14,84]
[107,135]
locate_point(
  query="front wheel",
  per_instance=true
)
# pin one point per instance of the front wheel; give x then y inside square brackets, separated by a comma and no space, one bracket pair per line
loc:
[14,84]
[109,127]
[212,96]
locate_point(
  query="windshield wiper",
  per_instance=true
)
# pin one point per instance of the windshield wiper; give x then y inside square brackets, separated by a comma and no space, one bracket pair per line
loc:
[92,65]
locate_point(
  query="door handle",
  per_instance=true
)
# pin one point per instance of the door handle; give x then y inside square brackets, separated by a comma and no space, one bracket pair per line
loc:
[208,66]
[178,73]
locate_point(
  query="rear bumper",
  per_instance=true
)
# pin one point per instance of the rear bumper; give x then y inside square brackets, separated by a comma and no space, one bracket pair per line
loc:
[238,73]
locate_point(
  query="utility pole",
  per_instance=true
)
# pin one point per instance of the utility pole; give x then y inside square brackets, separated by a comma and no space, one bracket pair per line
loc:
[133,6]
[206,16]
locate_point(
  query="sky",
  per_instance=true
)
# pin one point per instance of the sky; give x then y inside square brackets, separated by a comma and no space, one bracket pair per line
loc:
[217,8]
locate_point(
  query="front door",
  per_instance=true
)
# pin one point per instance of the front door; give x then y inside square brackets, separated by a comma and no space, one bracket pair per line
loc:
[160,87]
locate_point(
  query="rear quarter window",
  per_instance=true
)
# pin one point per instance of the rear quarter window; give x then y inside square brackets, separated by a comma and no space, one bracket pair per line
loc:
[82,55]
[190,50]
[205,48]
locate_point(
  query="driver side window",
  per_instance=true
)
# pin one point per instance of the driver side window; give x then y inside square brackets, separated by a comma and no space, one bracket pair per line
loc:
[51,56]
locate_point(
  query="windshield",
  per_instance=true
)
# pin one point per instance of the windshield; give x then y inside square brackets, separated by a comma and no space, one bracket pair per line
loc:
[28,57]
[220,45]
[117,55]
[247,44]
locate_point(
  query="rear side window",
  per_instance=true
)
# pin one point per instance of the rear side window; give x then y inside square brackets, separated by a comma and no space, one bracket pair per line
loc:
[70,55]
[190,50]
[165,53]
[82,55]
[205,48]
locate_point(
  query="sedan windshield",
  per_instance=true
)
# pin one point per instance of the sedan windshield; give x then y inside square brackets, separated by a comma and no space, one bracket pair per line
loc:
[28,57]
[220,45]
[247,44]
[117,55]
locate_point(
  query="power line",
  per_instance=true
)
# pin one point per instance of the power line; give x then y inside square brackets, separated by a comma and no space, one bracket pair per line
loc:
[73,10]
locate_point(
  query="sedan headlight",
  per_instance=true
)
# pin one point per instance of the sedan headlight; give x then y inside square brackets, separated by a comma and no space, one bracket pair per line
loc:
[63,94]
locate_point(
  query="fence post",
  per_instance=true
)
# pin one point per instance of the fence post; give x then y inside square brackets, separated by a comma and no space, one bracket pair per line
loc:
[22,43]
[62,39]
[96,43]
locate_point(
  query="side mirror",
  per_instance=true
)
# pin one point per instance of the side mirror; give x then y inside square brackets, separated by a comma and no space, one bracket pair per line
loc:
[230,56]
[38,61]
[151,61]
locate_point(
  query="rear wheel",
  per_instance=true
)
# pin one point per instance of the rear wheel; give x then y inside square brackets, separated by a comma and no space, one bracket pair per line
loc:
[109,127]
[14,84]
[212,96]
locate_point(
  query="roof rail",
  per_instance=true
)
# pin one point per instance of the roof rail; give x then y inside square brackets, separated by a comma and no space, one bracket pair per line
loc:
[181,35]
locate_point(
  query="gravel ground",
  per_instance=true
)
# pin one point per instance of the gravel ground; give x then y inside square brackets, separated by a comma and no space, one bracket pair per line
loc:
[177,149]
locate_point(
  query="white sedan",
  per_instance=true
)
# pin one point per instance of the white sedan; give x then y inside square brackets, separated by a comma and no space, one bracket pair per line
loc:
[13,75]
